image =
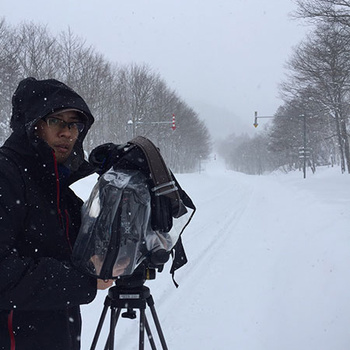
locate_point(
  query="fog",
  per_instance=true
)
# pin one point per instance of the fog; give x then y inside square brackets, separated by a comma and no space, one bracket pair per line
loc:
[225,58]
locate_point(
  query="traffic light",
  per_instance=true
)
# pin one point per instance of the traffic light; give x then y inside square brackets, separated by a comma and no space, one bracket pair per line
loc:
[256,120]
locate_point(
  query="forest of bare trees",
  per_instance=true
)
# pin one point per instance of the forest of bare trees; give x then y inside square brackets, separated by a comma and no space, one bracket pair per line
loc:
[126,100]
[312,124]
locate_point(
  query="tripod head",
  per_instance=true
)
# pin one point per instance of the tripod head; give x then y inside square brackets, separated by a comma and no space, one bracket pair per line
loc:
[145,271]
[129,293]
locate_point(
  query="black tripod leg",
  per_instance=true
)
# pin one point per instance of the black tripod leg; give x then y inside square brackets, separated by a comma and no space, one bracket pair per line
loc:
[142,329]
[149,334]
[99,326]
[150,303]
[140,301]
[113,323]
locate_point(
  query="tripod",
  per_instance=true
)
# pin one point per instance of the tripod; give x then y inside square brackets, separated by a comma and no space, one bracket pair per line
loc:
[129,298]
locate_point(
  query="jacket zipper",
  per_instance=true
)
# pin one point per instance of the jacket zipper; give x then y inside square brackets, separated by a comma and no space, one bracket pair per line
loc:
[67,230]
[65,223]
[10,329]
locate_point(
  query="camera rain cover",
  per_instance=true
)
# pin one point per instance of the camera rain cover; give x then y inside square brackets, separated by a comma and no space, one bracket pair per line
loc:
[116,234]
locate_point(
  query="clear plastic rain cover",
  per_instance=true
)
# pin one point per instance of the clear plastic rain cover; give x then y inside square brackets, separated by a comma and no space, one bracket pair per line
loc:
[116,234]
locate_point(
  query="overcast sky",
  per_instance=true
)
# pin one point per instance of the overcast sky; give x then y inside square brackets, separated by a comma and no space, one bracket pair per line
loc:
[225,58]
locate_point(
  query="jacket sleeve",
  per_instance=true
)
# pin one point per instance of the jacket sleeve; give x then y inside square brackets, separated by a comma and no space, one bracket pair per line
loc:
[27,283]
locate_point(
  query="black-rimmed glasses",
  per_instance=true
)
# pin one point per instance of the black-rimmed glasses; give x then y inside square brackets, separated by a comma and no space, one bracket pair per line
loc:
[59,124]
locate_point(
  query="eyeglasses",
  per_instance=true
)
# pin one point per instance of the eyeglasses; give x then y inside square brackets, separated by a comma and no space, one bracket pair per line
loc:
[59,124]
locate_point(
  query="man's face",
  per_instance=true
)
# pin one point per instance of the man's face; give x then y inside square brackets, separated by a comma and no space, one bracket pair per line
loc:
[60,132]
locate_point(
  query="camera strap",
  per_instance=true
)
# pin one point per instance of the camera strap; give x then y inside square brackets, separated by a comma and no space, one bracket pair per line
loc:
[164,184]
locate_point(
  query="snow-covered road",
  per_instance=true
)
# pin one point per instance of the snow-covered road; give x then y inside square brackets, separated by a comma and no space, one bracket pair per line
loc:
[269,266]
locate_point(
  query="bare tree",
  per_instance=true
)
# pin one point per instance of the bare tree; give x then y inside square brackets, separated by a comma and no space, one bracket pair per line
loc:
[334,11]
[321,65]
[10,73]
[146,105]
[115,95]
[37,54]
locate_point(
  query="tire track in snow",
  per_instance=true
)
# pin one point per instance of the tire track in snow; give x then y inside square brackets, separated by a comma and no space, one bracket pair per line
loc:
[212,217]
[204,252]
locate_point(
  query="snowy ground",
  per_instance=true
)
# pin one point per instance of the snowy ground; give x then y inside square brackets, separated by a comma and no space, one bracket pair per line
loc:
[269,266]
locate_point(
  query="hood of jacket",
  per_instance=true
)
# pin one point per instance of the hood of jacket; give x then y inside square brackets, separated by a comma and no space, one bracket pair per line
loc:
[33,100]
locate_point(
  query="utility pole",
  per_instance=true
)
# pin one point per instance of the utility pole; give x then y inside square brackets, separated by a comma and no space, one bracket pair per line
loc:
[303,151]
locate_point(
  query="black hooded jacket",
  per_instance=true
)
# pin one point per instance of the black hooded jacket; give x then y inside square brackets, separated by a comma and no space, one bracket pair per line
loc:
[40,290]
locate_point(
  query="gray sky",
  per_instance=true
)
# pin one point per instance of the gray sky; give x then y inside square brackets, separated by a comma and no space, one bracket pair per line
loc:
[225,58]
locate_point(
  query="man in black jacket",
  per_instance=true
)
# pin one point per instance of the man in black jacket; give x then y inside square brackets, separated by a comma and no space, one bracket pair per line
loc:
[40,290]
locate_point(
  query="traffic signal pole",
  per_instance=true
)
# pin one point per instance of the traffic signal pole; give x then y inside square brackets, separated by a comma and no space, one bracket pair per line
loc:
[304,151]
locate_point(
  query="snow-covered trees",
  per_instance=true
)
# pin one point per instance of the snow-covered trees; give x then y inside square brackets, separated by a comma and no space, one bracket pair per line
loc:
[320,67]
[316,92]
[331,11]
[125,100]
